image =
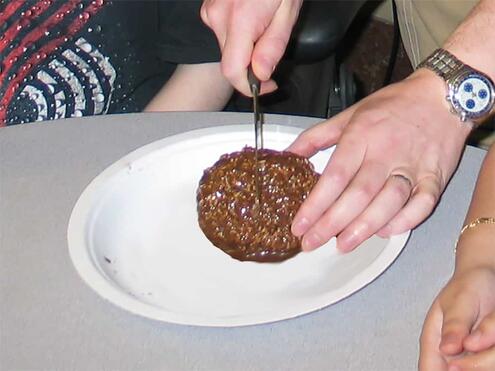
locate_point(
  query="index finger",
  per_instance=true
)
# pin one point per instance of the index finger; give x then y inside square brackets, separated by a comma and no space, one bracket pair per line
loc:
[322,135]
[340,170]
[236,55]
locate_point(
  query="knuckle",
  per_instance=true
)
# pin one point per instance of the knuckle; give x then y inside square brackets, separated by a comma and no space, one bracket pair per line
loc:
[212,13]
[243,16]
[365,192]
[428,199]
[203,13]
[337,177]
[228,70]
[400,190]
[437,181]
[305,137]
[453,325]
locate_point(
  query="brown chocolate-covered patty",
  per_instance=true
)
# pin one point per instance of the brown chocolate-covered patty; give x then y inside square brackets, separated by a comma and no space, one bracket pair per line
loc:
[233,220]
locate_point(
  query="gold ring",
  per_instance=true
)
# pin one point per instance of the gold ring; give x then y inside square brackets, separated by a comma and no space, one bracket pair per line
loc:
[404,178]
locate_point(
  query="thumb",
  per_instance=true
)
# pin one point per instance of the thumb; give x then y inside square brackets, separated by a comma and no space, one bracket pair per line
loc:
[321,136]
[430,357]
[458,320]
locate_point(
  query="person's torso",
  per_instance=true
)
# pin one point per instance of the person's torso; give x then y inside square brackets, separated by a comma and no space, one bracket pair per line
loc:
[426,24]
[72,58]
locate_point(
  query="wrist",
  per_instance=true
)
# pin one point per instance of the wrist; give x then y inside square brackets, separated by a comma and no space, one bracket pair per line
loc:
[479,60]
[476,249]
[435,88]
[469,92]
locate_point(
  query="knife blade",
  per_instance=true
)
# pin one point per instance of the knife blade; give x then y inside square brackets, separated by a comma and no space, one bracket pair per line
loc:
[254,85]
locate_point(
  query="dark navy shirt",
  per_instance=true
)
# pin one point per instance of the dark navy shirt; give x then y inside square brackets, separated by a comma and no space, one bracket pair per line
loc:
[73,58]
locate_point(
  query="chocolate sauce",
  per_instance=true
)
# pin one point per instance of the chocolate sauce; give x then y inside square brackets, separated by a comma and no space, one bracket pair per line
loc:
[232,219]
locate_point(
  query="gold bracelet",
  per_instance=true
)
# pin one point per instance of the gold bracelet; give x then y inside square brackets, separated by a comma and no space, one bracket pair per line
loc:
[474,223]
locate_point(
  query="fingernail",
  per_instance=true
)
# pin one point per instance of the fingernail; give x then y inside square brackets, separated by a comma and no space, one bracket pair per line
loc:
[451,344]
[454,368]
[475,336]
[263,68]
[448,339]
[386,231]
[348,242]
[311,242]
[299,227]
[267,68]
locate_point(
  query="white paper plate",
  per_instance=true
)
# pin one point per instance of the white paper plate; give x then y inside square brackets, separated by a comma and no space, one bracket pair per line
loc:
[134,238]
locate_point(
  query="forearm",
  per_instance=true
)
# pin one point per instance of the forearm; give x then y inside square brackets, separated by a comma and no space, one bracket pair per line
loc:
[473,42]
[195,87]
[477,245]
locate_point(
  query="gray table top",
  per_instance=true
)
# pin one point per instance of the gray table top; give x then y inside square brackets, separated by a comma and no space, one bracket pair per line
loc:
[49,319]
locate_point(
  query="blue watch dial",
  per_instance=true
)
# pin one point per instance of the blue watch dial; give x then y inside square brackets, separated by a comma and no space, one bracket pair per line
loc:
[473,95]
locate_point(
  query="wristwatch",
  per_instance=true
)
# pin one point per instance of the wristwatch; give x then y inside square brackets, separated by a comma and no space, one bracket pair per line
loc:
[471,93]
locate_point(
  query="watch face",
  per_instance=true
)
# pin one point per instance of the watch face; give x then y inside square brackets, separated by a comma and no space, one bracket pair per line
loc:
[473,95]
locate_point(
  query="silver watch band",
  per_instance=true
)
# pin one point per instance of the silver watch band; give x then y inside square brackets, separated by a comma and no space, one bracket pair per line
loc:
[464,84]
[443,64]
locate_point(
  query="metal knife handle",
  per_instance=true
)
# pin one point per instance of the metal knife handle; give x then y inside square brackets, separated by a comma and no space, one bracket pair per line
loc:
[254,85]
[253,80]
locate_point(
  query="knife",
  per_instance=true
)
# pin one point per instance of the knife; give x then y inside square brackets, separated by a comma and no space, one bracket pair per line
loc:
[254,85]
